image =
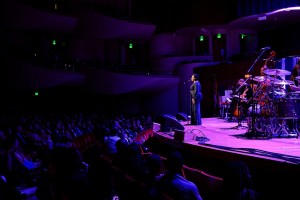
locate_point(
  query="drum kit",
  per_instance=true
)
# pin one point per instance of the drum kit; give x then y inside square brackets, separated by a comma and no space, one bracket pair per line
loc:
[274,110]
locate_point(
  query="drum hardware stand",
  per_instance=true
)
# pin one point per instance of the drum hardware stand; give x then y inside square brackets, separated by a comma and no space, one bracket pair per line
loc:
[252,132]
[295,126]
[283,129]
[295,123]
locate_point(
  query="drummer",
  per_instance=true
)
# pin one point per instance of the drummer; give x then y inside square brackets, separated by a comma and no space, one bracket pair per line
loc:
[294,88]
[296,73]
[295,77]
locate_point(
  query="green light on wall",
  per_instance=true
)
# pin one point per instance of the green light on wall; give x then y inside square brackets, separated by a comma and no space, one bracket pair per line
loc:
[201,38]
[36,93]
[130,46]
[243,36]
[53,42]
[219,35]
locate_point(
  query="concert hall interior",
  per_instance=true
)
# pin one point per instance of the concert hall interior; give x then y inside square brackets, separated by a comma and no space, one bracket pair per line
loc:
[84,74]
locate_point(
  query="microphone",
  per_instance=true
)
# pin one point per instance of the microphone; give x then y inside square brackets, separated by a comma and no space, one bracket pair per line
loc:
[265,48]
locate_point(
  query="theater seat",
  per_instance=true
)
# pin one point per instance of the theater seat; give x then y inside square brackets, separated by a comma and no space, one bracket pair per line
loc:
[208,185]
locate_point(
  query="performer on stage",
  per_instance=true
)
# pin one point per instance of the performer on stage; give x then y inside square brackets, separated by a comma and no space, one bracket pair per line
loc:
[296,73]
[241,95]
[269,64]
[295,77]
[196,98]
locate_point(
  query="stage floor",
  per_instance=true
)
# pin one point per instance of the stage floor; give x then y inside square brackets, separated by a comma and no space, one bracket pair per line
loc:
[226,136]
[273,162]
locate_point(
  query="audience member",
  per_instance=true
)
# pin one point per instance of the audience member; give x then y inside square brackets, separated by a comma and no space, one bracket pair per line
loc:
[120,158]
[238,183]
[172,184]
[135,165]
[154,169]
[65,177]
[110,142]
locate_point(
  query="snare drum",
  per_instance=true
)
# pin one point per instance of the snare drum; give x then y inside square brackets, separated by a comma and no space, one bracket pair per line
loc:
[268,110]
[279,94]
[294,95]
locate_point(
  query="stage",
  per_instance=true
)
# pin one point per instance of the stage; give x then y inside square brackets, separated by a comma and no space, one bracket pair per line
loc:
[274,162]
[228,136]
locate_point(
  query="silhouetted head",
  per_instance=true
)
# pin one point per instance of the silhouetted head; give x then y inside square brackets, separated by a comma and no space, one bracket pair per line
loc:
[174,162]
[241,81]
[237,175]
[122,145]
[154,163]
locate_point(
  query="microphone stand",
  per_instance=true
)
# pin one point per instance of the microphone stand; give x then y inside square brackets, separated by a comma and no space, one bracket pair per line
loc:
[251,132]
[188,101]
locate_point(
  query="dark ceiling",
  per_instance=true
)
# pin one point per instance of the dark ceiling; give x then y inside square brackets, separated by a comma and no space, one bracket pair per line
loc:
[171,15]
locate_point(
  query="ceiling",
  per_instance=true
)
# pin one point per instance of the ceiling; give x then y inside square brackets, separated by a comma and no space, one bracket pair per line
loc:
[270,20]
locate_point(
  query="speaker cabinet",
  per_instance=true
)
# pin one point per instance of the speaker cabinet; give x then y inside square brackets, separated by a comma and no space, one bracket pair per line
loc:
[179,135]
[168,123]
[181,117]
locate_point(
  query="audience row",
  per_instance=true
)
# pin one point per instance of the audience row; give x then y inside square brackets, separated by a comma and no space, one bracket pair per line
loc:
[41,157]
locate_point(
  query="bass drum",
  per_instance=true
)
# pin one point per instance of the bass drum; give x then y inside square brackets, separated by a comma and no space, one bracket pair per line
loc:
[268,110]
[265,126]
[288,108]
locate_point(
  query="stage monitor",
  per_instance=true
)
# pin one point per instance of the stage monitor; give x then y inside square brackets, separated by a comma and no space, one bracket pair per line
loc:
[168,123]
[182,117]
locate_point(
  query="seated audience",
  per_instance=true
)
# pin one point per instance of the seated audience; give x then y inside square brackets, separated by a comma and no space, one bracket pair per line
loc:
[65,177]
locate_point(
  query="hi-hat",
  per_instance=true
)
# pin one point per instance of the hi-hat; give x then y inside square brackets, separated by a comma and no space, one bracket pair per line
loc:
[273,60]
[284,82]
[277,72]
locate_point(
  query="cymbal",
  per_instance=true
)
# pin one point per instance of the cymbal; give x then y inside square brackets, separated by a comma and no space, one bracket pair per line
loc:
[284,82]
[261,79]
[277,72]
[273,60]
[297,77]
[258,79]
[241,98]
